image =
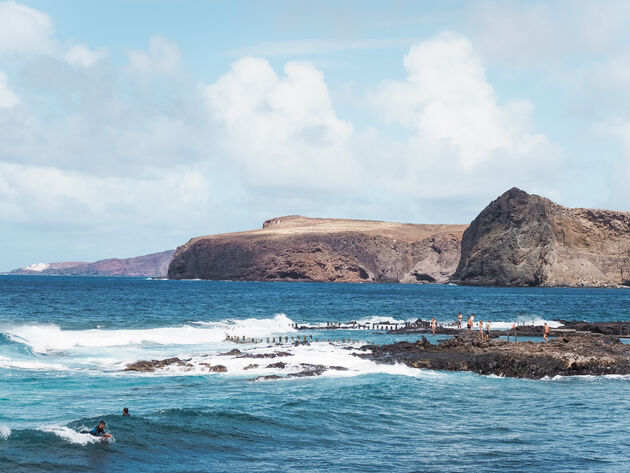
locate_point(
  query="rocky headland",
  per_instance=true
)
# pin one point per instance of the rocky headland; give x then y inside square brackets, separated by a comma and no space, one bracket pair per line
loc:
[517,240]
[316,249]
[527,240]
[153,265]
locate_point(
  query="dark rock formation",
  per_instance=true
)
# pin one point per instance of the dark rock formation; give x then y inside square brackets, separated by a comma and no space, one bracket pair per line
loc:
[526,240]
[152,365]
[307,249]
[564,356]
[153,265]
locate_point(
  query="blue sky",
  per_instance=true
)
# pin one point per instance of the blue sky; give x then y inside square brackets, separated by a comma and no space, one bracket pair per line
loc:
[127,127]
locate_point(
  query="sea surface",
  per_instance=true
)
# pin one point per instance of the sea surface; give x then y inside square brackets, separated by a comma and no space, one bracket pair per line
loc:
[64,342]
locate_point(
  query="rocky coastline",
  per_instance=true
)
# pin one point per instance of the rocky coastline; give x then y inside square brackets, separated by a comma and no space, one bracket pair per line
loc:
[575,348]
[583,354]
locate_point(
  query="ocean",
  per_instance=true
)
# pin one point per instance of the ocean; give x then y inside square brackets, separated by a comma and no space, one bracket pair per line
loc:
[64,342]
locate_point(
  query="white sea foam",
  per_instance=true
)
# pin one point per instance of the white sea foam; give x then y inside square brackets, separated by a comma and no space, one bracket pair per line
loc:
[69,435]
[50,338]
[34,365]
[5,432]
[373,319]
[325,354]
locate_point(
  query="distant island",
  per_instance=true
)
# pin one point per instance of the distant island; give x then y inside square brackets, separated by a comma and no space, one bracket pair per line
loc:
[153,265]
[519,239]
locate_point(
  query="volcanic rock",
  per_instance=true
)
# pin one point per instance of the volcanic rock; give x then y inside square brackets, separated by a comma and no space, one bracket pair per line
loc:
[527,240]
[315,249]
[152,365]
[572,355]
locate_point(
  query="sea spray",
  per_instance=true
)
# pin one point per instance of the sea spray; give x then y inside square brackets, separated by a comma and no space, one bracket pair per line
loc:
[5,432]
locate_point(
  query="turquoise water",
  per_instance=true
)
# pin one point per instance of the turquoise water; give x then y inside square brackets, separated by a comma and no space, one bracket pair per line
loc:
[64,342]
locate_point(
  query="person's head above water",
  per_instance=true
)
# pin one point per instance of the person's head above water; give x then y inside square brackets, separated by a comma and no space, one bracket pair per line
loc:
[101,423]
[125,411]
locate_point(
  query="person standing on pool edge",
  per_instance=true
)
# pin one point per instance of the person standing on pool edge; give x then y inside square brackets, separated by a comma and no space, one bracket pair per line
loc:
[546,334]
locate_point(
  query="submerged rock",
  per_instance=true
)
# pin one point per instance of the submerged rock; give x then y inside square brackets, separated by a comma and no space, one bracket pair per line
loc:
[215,368]
[275,354]
[270,377]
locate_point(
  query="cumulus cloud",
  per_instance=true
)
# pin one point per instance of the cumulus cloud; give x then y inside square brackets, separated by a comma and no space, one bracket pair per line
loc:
[163,57]
[8,98]
[282,129]
[70,198]
[538,33]
[25,30]
[80,55]
[460,130]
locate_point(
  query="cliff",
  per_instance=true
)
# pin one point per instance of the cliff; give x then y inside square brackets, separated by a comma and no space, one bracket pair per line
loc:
[316,249]
[527,240]
[153,265]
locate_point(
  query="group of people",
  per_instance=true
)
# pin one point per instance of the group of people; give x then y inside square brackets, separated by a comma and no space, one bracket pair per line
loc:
[483,334]
[99,430]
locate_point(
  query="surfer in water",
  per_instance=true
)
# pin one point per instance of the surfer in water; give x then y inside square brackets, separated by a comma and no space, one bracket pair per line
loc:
[99,430]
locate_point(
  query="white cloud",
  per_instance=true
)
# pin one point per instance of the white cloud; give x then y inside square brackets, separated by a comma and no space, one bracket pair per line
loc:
[47,195]
[283,130]
[529,34]
[307,47]
[8,98]
[452,110]
[25,30]
[162,58]
[80,55]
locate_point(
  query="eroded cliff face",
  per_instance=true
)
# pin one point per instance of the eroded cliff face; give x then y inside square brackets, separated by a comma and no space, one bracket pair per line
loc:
[307,249]
[526,240]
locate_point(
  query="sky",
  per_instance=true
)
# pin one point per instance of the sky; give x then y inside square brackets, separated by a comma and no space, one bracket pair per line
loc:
[129,127]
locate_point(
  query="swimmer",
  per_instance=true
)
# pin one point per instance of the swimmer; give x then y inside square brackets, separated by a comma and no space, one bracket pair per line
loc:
[125,412]
[99,430]
[469,323]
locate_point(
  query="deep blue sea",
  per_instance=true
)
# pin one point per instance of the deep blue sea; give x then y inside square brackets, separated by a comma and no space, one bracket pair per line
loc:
[65,340]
